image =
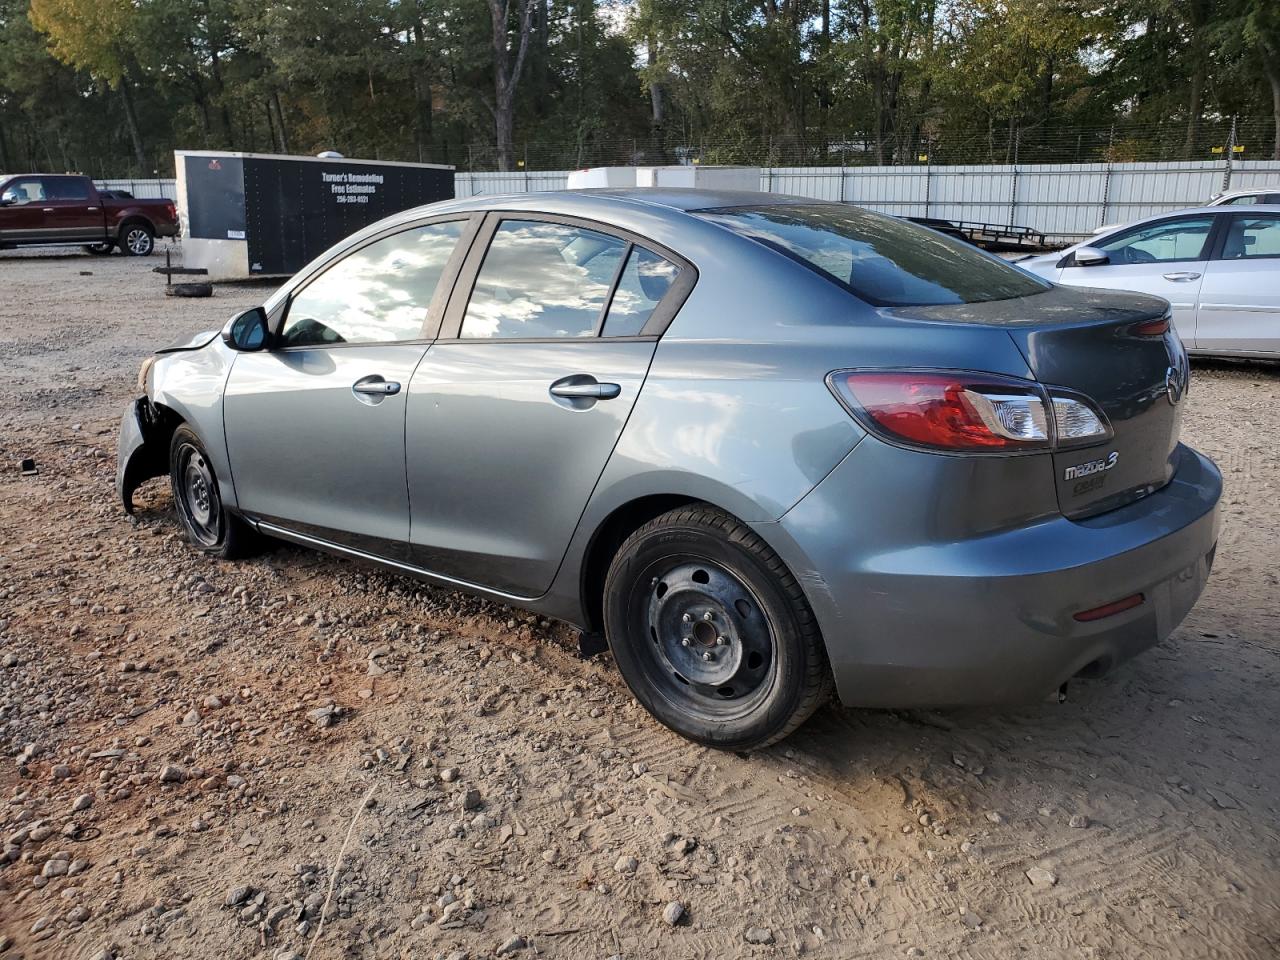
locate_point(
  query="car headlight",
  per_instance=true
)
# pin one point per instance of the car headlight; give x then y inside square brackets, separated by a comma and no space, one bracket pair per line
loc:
[147,364]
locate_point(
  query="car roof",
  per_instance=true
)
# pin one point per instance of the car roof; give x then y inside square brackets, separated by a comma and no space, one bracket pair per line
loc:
[1244,191]
[601,200]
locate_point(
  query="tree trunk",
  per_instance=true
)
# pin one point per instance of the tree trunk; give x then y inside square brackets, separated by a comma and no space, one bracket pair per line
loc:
[422,128]
[1271,65]
[1199,64]
[284,131]
[215,68]
[658,107]
[131,122]
[4,151]
[506,75]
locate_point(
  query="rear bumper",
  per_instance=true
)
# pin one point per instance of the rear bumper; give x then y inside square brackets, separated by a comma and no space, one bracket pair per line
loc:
[990,618]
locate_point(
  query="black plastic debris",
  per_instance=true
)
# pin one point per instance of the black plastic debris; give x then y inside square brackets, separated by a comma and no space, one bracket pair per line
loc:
[29,468]
[590,644]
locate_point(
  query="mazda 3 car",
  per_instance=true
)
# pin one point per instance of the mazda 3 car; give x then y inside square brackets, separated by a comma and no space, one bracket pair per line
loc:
[767,446]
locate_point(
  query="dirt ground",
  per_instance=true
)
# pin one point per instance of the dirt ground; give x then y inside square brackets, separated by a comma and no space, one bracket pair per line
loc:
[191,744]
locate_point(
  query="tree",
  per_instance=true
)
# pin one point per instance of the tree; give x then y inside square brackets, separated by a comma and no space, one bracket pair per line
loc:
[506,72]
[96,36]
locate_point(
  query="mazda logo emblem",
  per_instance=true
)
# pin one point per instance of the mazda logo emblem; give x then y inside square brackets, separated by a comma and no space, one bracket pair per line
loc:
[1174,385]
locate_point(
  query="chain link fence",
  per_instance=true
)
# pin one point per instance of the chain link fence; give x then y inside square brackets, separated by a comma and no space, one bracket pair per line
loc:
[1121,142]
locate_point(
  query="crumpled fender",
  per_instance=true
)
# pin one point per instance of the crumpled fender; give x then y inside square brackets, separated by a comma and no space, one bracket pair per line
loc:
[142,452]
[193,342]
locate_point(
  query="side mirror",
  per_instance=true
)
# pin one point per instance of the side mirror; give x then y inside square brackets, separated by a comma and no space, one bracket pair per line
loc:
[247,331]
[1091,257]
[7,201]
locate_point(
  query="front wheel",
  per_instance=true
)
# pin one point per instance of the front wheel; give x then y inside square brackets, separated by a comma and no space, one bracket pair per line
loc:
[137,240]
[205,521]
[711,631]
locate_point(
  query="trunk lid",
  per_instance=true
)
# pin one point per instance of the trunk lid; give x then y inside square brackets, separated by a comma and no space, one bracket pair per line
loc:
[1085,341]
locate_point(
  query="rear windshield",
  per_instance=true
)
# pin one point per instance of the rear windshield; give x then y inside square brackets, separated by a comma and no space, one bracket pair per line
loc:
[885,261]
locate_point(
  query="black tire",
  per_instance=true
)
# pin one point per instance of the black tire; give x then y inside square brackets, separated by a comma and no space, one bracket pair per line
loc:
[207,524]
[100,249]
[711,631]
[137,239]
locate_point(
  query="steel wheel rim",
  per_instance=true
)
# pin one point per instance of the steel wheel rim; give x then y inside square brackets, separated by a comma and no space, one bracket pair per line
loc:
[198,496]
[138,240]
[708,645]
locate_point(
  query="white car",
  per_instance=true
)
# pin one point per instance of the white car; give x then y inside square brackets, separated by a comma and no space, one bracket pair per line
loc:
[1219,267]
[1248,197]
[1235,198]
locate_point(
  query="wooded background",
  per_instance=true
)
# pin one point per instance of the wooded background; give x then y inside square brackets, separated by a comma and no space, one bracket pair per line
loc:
[112,87]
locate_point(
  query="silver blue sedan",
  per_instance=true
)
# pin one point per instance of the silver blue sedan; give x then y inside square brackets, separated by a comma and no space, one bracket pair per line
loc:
[766,446]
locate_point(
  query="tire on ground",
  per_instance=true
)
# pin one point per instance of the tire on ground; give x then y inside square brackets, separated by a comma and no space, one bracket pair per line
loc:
[207,524]
[796,682]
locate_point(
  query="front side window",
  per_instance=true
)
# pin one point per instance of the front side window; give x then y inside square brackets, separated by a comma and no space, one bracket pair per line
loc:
[1180,239]
[542,280]
[1252,236]
[883,260]
[379,294]
[23,191]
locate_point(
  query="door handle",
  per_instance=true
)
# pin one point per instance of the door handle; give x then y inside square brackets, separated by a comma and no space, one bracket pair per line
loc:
[586,391]
[1182,276]
[90,209]
[46,209]
[375,386]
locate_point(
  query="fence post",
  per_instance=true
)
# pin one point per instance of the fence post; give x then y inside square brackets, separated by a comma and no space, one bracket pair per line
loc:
[1013,195]
[928,186]
[1230,153]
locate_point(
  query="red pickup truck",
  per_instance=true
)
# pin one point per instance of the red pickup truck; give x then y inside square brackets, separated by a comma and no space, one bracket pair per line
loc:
[47,208]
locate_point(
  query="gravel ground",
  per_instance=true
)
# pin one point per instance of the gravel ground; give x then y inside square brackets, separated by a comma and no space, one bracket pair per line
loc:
[295,756]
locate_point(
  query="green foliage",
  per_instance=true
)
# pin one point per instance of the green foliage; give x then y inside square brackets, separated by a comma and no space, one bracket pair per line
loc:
[113,86]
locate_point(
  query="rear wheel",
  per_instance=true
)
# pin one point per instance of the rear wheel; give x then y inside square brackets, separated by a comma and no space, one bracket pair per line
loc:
[711,631]
[137,240]
[204,519]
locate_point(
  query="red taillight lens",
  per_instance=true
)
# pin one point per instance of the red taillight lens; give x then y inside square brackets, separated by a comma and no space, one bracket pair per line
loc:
[1152,328]
[947,411]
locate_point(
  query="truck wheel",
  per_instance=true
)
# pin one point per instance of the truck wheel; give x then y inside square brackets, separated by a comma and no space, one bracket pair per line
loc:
[711,631]
[137,240]
[99,249]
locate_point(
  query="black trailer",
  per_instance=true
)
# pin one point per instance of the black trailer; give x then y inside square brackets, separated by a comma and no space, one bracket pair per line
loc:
[247,214]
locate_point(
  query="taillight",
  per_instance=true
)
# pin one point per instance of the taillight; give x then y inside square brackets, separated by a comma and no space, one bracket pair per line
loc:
[966,412]
[1152,328]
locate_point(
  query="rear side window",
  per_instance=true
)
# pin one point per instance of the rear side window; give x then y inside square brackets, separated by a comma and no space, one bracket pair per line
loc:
[883,260]
[1252,236]
[66,188]
[1246,200]
[644,282]
[543,281]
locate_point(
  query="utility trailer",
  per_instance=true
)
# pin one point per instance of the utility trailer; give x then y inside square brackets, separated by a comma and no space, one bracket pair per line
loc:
[264,215]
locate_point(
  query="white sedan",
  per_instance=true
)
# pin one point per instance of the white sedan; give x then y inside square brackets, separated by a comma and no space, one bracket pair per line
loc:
[1218,266]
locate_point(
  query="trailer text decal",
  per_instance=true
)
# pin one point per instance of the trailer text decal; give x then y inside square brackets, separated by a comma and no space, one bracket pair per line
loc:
[352,187]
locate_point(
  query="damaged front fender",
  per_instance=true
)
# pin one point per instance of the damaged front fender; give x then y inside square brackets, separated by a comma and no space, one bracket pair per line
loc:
[143,450]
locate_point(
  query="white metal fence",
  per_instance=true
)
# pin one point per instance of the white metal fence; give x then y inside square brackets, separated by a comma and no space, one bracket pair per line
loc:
[1063,201]
[142,189]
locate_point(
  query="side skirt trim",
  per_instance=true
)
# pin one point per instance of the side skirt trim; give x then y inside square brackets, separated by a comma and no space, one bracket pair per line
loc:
[305,541]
